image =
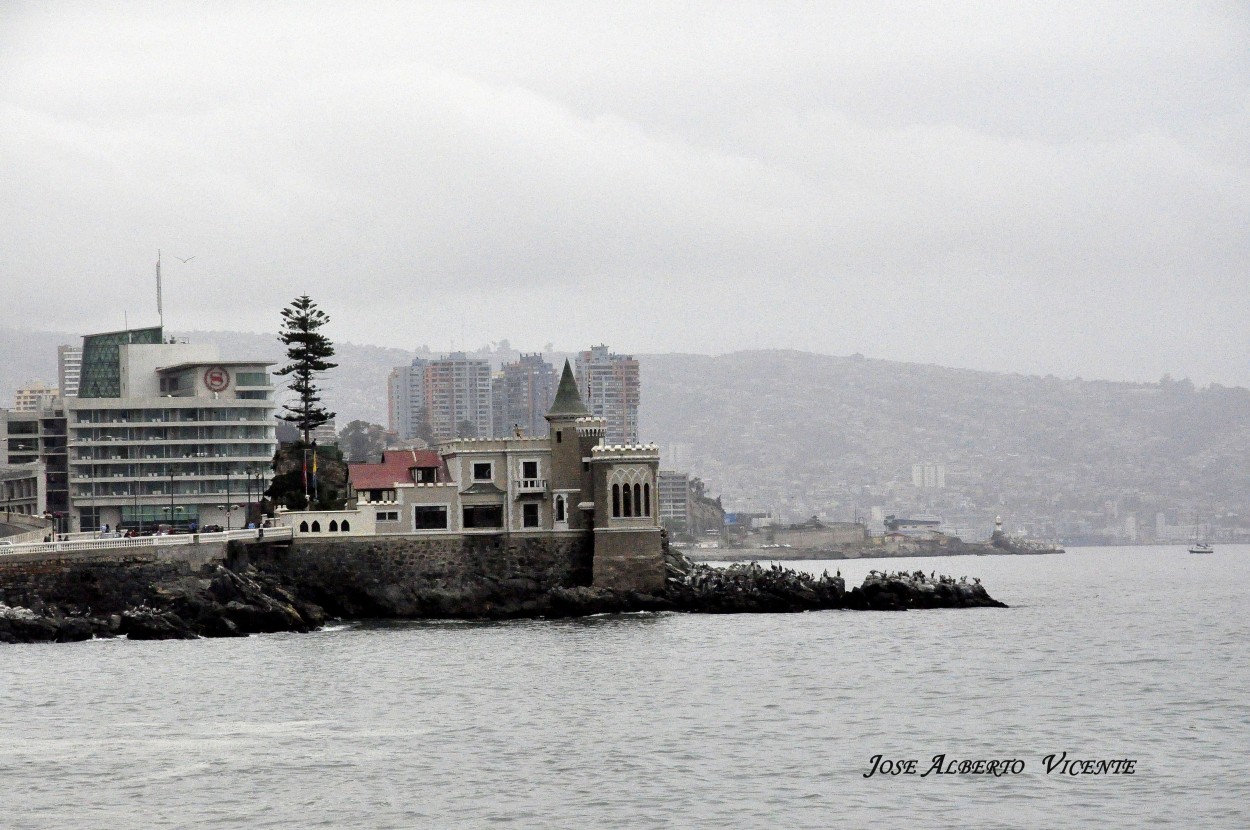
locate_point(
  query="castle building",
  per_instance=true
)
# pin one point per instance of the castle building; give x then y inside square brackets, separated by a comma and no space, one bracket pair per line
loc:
[166,433]
[609,384]
[568,484]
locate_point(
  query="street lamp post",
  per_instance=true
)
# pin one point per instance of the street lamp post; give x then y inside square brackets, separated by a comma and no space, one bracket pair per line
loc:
[227,497]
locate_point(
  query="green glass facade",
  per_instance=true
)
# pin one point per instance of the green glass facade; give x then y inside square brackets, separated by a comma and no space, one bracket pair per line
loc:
[101,360]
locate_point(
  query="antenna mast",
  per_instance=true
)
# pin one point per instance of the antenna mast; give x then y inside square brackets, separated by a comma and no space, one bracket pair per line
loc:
[159,310]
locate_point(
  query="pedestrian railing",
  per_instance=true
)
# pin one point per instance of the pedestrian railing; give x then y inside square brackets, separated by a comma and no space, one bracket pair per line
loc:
[79,544]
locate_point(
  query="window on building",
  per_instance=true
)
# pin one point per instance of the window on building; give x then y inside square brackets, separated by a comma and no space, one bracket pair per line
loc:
[529,515]
[334,526]
[637,499]
[560,509]
[616,500]
[425,475]
[429,517]
[483,471]
[627,507]
[388,515]
[559,436]
[346,526]
[483,516]
[646,499]
[529,469]
[316,527]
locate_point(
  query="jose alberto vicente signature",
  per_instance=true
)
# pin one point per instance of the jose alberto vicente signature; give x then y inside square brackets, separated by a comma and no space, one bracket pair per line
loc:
[1053,764]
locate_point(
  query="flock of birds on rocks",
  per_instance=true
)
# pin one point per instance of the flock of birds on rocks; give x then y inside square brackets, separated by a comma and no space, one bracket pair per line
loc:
[755,587]
[917,577]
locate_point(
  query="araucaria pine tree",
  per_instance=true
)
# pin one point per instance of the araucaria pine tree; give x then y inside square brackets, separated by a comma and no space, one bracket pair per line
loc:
[307,349]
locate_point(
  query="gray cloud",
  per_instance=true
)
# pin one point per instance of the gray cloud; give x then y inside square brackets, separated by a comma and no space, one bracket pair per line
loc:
[998,186]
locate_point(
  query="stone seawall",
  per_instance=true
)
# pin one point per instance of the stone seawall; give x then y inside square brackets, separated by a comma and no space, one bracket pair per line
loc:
[107,582]
[452,576]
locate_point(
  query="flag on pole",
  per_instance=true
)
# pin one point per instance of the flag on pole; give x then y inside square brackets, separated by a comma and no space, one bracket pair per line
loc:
[314,470]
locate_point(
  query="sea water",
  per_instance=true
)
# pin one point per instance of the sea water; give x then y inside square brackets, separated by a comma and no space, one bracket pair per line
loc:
[668,720]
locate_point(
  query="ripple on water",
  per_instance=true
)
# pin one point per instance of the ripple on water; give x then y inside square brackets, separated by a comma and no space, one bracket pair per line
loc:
[663,719]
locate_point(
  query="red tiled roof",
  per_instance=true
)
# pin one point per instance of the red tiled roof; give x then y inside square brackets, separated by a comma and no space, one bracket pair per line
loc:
[395,469]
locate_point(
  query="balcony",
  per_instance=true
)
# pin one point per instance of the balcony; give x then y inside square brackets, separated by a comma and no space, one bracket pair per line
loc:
[529,487]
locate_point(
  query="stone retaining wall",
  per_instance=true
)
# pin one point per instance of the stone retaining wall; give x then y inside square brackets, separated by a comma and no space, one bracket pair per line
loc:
[426,576]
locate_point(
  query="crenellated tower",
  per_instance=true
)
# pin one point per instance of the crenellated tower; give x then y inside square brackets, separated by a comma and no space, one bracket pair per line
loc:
[573,432]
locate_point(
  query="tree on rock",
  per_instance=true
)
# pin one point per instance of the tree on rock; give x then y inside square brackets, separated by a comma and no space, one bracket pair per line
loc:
[307,349]
[362,441]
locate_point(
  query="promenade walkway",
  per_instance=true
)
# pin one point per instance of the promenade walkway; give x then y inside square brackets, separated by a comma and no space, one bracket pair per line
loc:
[88,542]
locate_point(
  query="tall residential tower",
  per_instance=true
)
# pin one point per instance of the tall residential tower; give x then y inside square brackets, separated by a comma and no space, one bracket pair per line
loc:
[609,385]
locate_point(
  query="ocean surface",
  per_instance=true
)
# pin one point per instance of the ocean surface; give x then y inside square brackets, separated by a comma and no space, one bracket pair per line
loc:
[668,720]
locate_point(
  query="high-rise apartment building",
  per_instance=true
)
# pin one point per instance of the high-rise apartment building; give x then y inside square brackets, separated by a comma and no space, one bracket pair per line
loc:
[405,400]
[38,437]
[609,385]
[35,395]
[523,392]
[674,499]
[68,369]
[457,397]
[928,476]
[167,433]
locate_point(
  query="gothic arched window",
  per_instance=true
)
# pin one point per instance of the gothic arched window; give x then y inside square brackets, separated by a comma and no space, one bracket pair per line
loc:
[616,500]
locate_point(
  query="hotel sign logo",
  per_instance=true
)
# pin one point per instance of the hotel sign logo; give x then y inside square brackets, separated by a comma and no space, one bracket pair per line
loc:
[216,379]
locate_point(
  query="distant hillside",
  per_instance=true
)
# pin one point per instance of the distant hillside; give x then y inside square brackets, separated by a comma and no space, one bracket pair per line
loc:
[809,433]
[797,430]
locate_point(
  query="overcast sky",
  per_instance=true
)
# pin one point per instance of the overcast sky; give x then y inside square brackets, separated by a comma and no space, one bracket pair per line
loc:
[1001,186]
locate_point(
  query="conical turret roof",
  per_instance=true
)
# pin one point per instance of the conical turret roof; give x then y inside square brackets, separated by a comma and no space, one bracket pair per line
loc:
[568,402]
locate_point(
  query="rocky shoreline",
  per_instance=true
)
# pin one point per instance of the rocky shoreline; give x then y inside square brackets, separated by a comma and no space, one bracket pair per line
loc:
[237,600]
[215,602]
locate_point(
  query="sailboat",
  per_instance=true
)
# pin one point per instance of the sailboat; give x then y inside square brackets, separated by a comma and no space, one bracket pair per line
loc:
[1199,546]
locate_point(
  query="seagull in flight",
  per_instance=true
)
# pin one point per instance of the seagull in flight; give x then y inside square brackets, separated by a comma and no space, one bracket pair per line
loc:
[184,261]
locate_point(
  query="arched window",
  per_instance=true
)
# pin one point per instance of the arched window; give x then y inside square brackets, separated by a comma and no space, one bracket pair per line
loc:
[334,526]
[637,499]
[629,501]
[616,500]
[345,526]
[316,527]
[303,527]
[560,508]
[646,499]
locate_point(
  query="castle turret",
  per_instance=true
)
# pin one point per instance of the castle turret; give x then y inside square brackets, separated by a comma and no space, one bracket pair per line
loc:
[573,434]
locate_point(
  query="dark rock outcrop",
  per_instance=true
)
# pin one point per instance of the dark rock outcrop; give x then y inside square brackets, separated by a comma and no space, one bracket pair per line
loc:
[900,591]
[212,602]
[234,600]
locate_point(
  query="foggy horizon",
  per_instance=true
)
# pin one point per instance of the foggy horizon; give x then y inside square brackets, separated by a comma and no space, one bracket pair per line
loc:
[1014,189]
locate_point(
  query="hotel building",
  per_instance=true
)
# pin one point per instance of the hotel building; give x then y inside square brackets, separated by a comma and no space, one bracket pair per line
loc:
[167,433]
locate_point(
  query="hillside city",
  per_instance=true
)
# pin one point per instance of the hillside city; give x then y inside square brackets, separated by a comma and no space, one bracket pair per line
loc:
[776,437]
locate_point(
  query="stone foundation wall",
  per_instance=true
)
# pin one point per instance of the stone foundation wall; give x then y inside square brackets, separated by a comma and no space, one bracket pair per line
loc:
[426,576]
[629,560]
[105,585]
